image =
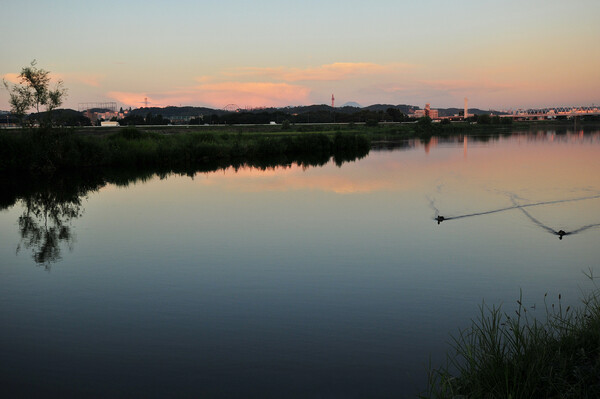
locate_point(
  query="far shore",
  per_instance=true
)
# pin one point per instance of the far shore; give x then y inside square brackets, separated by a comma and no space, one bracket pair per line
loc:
[192,146]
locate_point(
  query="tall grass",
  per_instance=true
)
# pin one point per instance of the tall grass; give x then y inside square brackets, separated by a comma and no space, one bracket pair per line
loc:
[518,356]
[52,149]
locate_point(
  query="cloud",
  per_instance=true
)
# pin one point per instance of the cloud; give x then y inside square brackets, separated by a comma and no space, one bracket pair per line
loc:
[87,79]
[128,98]
[244,94]
[253,93]
[328,72]
[450,85]
[12,78]
[259,87]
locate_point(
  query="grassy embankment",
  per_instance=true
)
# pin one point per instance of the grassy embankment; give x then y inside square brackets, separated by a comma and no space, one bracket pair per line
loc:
[393,131]
[58,148]
[180,148]
[517,356]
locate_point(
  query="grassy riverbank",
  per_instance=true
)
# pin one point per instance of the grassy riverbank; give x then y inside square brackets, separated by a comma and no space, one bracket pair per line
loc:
[57,148]
[185,147]
[518,356]
[389,129]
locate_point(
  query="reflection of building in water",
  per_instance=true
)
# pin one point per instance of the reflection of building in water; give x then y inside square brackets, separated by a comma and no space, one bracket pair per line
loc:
[432,113]
[432,143]
[465,146]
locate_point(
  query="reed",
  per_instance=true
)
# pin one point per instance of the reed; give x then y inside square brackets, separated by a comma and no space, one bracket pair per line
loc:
[53,149]
[519,356]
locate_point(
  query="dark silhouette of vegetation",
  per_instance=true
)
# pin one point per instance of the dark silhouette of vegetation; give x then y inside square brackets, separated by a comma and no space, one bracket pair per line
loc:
[312,115]
[149,119]
[47,150]
[63,117]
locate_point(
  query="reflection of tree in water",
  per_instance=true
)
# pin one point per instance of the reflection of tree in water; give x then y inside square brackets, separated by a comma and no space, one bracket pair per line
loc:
[46,224]
[52,202]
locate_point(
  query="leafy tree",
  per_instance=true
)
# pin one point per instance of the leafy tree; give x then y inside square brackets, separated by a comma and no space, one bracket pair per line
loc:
[34,92]
[424,122]
[395,114]
[484,119]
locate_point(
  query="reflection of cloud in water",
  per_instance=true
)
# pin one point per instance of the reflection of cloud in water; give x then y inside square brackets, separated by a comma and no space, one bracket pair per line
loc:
[295,177]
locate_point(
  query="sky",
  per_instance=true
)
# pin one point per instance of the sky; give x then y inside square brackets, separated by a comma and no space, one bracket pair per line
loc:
[500,55]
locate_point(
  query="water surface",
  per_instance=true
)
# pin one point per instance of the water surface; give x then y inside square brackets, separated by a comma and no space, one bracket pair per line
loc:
[331,281]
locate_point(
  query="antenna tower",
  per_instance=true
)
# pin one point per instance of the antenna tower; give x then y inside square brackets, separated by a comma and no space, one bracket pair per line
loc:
[332,101]
[146,102]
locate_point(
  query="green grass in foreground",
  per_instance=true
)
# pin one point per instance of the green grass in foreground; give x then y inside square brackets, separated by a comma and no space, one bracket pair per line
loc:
[517,356]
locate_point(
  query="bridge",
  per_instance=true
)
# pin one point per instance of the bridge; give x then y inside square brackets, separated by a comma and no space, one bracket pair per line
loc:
[551,113]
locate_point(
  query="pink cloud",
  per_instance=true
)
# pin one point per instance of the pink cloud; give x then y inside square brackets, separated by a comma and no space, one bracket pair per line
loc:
[129,98]
[250,94]
[254,94]
[327,72]
[12,78]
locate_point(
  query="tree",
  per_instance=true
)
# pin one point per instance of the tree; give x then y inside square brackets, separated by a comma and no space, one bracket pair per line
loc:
[484,119]
[395,114]
[34,92]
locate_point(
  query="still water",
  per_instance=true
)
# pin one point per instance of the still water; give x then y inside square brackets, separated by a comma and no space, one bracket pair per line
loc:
[329,281]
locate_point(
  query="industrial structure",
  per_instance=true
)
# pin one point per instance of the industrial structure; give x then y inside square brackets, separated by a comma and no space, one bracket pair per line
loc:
[100,111]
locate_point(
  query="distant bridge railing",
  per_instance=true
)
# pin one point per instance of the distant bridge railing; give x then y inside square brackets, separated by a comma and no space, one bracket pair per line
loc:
[554,112]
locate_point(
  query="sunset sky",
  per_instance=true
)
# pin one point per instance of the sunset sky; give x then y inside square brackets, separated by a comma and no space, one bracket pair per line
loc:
[501,55]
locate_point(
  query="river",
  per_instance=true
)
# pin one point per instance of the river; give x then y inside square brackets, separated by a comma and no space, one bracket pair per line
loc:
[292,281]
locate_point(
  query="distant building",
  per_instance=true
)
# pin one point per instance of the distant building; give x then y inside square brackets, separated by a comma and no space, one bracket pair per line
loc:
[109,123]
[106,115]
[432,113]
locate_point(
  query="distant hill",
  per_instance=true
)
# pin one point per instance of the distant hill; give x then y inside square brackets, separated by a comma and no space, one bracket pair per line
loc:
[347,108]
[177,111]
[476,111]
[65,117]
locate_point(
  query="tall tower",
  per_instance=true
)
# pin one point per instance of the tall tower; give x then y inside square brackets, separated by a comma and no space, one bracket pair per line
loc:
[466,114]
[332,101]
